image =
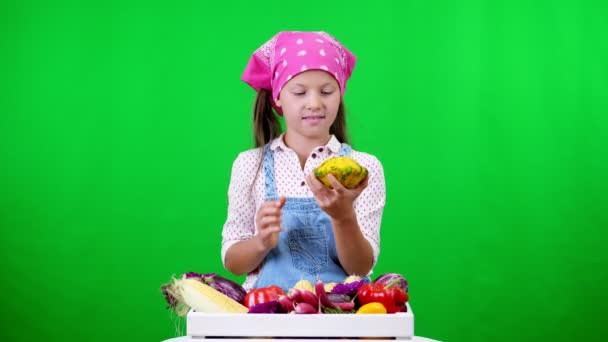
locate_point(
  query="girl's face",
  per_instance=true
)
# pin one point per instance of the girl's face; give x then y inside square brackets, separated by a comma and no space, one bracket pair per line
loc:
[310,103]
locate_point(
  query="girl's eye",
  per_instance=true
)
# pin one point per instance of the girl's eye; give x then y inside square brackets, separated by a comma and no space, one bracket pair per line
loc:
[304,93]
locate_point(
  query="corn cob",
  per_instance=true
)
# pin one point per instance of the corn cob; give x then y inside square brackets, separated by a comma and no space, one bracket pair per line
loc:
[203,298]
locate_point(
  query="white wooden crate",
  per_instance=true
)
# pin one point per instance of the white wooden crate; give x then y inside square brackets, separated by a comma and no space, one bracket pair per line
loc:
[295,328]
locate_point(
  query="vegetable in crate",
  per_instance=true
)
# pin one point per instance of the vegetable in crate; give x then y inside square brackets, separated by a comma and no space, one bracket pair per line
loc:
[372,308]
[305,308]
[262,295]
[345,303]
[390,296]
[351,279]
[183,294]
[267,308]
[349,289]
[346,170]
[330,286]
[304,285]
[390,277]
[225,286]
[287,304]
[339,304]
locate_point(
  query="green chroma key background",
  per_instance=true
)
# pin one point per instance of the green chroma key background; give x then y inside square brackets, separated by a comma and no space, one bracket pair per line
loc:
[119,122]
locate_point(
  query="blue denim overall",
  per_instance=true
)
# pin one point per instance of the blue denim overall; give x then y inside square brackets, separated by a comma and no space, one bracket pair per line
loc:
[306,247]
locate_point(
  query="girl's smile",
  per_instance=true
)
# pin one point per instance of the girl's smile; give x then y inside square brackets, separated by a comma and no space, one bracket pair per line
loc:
[313,119]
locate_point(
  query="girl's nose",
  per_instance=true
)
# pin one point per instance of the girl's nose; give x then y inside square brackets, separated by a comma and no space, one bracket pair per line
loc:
[314,102]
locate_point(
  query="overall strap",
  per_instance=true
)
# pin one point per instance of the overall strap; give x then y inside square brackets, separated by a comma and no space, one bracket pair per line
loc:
[269,185]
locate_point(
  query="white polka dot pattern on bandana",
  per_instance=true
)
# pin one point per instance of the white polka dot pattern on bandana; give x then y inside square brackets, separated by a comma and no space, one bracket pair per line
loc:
[303,51]
[246,192]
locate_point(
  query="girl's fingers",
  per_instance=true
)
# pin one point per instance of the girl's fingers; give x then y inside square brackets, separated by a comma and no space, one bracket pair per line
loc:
[269,209]
[315,185]
[273,229]
[280,202]
[270,220]
[363,183]
[319,191]
[359,189]
[270,230]
[338,187]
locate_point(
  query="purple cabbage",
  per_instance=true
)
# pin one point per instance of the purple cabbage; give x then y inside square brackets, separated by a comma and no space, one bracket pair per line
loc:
[392,277]
[349,289]
[221,284]
[270,307]
[196,275]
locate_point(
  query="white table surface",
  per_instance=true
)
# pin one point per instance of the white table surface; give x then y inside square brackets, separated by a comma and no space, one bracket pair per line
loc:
[188,339]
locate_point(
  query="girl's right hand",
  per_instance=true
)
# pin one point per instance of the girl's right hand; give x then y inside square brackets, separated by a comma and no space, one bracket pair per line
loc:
[268,220]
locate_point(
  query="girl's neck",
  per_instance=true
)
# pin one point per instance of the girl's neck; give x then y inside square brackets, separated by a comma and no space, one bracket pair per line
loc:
[303,146]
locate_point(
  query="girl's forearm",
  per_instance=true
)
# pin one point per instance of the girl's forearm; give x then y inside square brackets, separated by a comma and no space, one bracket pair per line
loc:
[354,251]
[245,256]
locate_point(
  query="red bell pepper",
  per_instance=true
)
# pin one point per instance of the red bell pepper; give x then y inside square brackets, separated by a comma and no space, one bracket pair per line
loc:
[401,297]
[392,297]
[262,295]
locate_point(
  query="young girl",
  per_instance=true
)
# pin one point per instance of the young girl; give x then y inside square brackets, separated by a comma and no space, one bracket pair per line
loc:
[283,224]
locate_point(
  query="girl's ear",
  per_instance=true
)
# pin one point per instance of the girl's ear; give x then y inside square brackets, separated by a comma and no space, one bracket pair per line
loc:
[278,102]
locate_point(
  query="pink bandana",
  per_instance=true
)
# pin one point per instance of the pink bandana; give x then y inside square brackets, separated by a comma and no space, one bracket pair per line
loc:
[289,53]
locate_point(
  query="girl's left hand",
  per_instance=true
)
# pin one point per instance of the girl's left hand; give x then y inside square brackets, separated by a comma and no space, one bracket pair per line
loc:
[336,202]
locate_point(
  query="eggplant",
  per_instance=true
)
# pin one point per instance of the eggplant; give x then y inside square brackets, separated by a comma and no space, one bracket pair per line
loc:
[221,284]
[391,277]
